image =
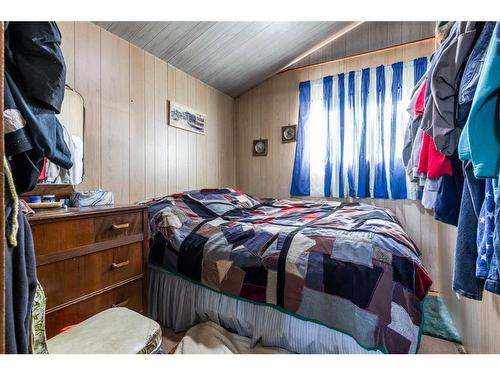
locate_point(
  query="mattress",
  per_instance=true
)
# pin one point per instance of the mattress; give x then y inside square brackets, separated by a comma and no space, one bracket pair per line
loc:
[348,267]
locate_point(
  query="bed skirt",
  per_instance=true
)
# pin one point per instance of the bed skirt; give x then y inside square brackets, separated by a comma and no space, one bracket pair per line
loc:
[180,304]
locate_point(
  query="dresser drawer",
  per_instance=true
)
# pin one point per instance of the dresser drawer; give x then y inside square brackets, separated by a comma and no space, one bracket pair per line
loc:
[128,295]
[55,238]
[115,226]
[69,279]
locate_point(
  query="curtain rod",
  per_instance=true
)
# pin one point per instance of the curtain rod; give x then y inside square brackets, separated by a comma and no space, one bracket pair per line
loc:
[357,55]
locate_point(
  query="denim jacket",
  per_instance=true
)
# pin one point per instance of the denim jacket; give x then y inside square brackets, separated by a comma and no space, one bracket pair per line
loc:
[472,72]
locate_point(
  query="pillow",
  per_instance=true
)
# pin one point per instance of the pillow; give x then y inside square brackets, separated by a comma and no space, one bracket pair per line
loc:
[221,200]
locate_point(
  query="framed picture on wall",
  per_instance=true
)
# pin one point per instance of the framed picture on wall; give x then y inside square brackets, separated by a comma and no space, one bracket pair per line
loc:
[183,117]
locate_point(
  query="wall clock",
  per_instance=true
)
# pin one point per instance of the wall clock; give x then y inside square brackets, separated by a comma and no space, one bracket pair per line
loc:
[288,133]
[259,147]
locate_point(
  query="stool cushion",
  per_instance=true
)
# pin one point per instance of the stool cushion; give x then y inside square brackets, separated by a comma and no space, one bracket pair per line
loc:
[114,331]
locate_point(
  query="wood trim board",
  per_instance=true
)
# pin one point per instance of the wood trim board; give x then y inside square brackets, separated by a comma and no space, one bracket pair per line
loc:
[2,206]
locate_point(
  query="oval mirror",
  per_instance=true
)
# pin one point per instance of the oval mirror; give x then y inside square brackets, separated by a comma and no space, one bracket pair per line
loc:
[72,118]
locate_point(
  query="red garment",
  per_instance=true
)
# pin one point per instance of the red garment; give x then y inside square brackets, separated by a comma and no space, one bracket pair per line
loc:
[44,170]
[432,162]
[420,102]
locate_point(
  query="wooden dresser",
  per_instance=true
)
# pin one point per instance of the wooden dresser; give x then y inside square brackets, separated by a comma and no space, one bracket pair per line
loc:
[90,259]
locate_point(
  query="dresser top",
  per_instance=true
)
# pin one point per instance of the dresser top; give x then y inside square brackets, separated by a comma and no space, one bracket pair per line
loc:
[70,212]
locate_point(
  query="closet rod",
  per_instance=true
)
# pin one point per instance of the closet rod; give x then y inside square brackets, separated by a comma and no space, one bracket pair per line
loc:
[357,55]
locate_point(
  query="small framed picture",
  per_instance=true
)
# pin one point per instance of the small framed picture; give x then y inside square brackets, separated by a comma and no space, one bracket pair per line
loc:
[186,118]
[288,133]
[259,147]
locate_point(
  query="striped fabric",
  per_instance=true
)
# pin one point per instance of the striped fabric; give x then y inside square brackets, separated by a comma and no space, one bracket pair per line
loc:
[351,133]
[180,304]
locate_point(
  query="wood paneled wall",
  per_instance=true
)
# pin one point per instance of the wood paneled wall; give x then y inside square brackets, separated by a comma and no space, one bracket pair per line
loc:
[129,148]
[262,111]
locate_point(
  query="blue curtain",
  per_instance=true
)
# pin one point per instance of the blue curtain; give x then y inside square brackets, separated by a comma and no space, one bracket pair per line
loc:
[301,177]
[363,114]
[351,101]
[420,67]
[364,165]
[341,98]
[397,170]
[380,190]
[327,105]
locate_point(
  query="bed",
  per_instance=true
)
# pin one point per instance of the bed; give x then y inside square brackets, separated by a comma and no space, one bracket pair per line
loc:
[309,277]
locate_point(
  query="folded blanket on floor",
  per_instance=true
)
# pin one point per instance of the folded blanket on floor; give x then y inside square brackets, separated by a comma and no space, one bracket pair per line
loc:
[210,338]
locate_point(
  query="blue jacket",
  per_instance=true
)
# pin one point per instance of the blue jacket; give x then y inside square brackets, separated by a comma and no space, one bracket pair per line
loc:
[480,139]
[472,72]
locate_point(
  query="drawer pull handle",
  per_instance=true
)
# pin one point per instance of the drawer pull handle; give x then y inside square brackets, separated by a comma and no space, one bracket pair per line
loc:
[120,226]
[119,265]
[121,304]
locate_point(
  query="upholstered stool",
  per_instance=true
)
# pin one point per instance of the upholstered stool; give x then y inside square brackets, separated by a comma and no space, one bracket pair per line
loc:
[117,330]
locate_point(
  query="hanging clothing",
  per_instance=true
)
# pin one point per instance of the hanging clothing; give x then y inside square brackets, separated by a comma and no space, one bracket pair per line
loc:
[43,173]
[465,281]
[431,162]
[461,121]
[45,130]
[472,72]
[492,283]
[32,99]
[447,206]
[34,89]
[420,98]
[20,279]
[413,135]
[73,176]
[34,58]
[449,195]
[481,141]
[412,127]
[415,175]
[17,139]
[486,228]
[444,83]
[429,111]
[430,192]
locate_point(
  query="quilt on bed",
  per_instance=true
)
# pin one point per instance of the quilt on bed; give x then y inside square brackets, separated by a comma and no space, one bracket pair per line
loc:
[348,266]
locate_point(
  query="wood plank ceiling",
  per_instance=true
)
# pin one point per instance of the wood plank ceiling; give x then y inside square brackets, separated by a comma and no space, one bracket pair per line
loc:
[230,56]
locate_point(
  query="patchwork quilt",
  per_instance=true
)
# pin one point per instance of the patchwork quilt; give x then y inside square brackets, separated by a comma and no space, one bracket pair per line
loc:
[349,266]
